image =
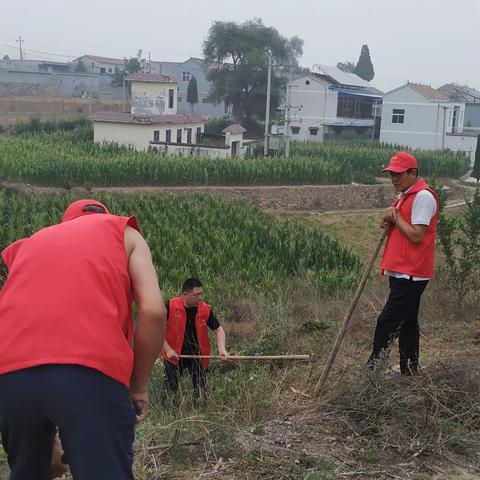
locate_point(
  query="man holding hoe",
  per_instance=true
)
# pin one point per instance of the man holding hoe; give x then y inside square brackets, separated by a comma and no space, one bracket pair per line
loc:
[407,260]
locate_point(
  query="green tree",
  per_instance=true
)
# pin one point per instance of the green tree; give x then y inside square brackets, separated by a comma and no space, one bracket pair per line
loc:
[80,67]
[132,65]
[476,165]
[192,92]
[347,66]
[6,57]
[364,68]
[460,242]
[240,53]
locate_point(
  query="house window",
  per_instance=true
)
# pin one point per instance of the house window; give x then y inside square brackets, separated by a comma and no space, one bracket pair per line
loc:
[295,130]
[179,135]
[156,135]
[313,131]
[186,76]
[205,100]
[168,136]
[199,135]
[171,93]
[103,70]
[189,136]
[110,70]
[398,115]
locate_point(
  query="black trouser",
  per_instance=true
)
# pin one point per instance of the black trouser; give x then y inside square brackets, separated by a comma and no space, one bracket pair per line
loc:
[93,413]
[399,317]
[195,369]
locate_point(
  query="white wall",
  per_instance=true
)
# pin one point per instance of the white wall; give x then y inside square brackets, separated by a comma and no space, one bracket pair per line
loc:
[139,136]
[316,105]
[149,98]
[462,143]
[185,151]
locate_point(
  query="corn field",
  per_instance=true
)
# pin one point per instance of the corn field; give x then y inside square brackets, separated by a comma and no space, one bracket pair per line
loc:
[71,159]
[227,244]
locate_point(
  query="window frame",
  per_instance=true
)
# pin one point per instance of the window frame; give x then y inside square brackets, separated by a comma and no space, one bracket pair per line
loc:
[398,116]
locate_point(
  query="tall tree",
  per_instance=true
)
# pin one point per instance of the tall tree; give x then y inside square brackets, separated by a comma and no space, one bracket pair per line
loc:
[347,66]
[239,53]
[476,165]
[192,92]
[364,68]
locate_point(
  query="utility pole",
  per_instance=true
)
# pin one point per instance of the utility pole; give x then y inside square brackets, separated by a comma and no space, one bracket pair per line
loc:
[287,119]
[444,126]
[267,111]
[20,41]
[149,63]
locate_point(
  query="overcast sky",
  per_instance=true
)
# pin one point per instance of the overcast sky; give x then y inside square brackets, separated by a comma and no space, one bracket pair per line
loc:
[427,41]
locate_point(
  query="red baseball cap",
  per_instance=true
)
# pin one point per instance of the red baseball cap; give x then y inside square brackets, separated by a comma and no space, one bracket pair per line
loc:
[81,207]
[401,162]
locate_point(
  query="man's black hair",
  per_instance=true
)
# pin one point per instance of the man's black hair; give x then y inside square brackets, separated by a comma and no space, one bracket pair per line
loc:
[190,283]
[410,170]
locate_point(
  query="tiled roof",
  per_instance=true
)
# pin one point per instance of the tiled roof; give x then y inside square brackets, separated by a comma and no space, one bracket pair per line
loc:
[428,91]
[235,128]
[150,77]
[174,119]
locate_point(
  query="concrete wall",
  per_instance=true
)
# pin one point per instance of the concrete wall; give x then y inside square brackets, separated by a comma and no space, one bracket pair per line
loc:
[59,84]
[138,136]
[204,87]
[192,150]
[152,98]
[316,105]
[462,143]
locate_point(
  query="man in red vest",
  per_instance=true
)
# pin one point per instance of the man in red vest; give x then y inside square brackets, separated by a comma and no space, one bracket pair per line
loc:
[407,260]
[189,320]
[70,356]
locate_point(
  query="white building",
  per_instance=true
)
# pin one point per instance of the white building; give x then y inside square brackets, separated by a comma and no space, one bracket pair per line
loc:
[419,116]
[331,104]
[96,64]
[154,123]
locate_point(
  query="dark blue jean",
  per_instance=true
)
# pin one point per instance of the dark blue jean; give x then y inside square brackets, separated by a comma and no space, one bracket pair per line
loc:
[93,413]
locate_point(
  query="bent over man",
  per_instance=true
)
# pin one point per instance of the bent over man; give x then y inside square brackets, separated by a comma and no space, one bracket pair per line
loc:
[70,356]
[189,319]
[407,260]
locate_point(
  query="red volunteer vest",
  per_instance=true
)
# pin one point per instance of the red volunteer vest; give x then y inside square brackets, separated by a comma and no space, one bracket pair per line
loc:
[67,299]
[177,319]
[401,254]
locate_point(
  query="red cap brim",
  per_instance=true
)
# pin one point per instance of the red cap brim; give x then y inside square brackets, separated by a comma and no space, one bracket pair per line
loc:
[395,169]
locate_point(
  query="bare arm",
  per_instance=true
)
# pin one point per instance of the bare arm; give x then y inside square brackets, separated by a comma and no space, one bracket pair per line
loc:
[221,341]
[150,330]
[414,233]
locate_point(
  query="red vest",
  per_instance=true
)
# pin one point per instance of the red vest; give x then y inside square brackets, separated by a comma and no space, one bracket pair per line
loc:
[67,299]
[177,319]
[401,254]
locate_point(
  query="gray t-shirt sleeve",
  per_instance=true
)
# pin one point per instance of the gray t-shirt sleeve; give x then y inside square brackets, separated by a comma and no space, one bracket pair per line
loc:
[424,208]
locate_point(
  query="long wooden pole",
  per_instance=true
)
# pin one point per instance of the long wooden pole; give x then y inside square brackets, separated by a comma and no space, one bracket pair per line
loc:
[348,315]
[304,358]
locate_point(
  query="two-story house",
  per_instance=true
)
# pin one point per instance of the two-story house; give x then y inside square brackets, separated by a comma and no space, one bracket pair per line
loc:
[331,104]
[153,117]
[419,116]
